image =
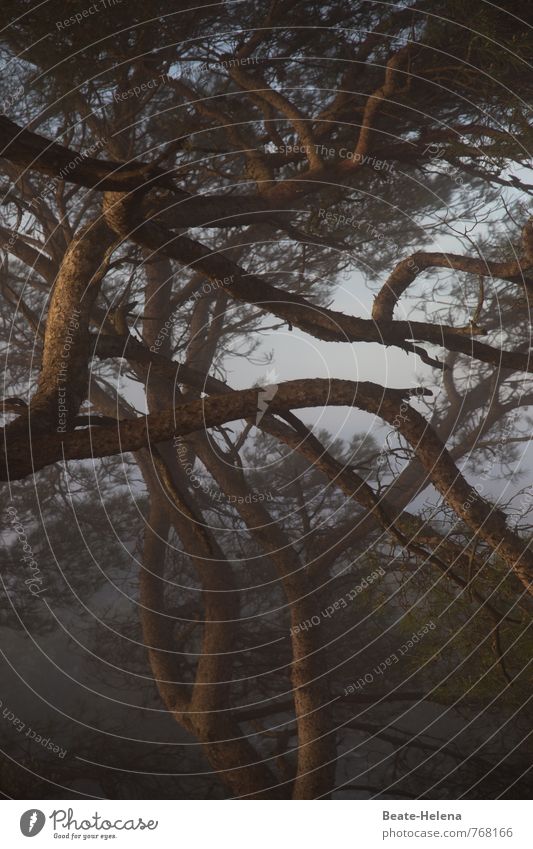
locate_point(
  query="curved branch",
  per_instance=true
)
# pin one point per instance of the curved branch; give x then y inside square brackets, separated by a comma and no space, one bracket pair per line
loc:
[124,214]
[375,101]
[408,270]
[483,518]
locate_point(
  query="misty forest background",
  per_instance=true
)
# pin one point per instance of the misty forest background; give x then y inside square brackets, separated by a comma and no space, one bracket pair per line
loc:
[228,610]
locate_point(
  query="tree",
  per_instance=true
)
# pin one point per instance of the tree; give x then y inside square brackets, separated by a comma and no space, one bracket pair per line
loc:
[178,190]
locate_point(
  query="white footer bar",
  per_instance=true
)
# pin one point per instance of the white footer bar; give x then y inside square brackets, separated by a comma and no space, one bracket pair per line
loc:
[268,825]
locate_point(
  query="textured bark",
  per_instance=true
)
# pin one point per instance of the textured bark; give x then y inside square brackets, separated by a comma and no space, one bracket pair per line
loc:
[206,711]
[130,435]
[369,103]
[478,514]
[209,714]
[316,757]
[64,373]
[157,624]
